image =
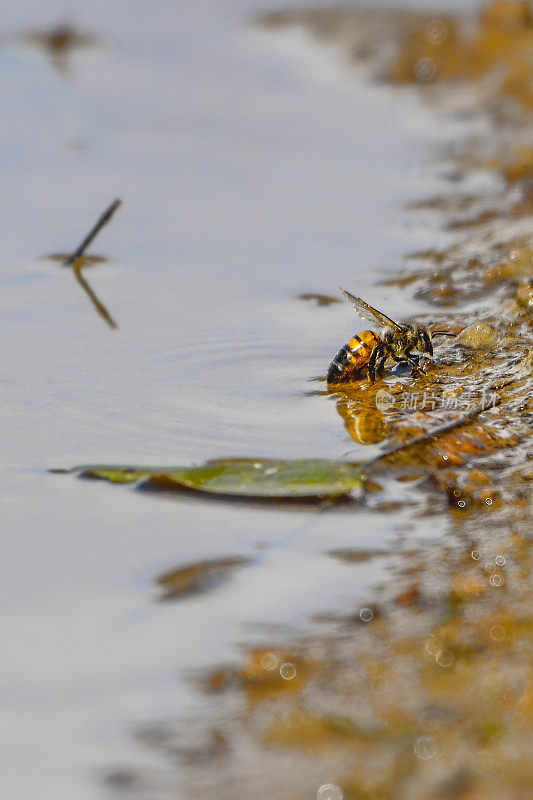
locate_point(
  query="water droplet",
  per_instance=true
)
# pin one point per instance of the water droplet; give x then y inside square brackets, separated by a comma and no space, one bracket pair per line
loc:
[425,747]
[366,614]
[475,555]
[329,791]
[500,560]
[496,580]
[287,671]
[444,658]
[436,31]
[425,69]
[497,632]
[269,661]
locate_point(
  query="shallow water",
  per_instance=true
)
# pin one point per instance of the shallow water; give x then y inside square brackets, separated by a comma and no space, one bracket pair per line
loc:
[250,173]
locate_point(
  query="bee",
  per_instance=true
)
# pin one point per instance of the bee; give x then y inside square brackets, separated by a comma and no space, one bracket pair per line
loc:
[370,351]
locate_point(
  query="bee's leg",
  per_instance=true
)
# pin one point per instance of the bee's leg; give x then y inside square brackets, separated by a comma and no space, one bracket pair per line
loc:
[385,352]
[378,359]
[406,358]
[372,370]
[372,364]
[413,360]
[380,368]
[395,357]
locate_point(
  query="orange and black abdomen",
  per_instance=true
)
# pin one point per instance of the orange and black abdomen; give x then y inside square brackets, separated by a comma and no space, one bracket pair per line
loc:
[352,357]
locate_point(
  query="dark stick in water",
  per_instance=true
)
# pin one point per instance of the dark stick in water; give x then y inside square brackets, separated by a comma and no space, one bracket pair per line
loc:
[102,220]
[74,260]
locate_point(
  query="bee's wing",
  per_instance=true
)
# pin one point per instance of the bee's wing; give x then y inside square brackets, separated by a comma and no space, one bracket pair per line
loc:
[372,314]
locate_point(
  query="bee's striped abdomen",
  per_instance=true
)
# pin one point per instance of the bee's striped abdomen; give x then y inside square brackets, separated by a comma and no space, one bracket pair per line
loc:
[352,357]
[338,365]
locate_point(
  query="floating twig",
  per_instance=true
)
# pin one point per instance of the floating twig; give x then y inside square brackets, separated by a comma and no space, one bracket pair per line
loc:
[75,261]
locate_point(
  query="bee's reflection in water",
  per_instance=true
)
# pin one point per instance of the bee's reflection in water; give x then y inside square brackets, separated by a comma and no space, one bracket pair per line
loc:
[357,406]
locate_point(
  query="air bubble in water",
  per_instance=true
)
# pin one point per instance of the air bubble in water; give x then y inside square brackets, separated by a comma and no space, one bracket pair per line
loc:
[432,647]
[444,658]
[287,671]
[425,748]
[366,614]
[497,632]
[436,31]
[329,791]
[269,661]
[500,560]
[425,69]
[496,580]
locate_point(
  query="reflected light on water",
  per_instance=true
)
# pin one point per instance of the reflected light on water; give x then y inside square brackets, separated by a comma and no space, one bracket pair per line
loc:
[269,661]
[425,748]
[436,31]
[329,791]
[425,69]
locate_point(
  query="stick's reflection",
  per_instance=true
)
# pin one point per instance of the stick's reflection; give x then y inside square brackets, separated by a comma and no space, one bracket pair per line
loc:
[98,305]
[58,43]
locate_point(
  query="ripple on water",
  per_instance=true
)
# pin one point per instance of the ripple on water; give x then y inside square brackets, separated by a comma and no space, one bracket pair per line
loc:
[242,398]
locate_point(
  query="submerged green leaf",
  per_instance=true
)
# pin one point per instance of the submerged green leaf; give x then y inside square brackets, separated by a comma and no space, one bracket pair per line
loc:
[265,478]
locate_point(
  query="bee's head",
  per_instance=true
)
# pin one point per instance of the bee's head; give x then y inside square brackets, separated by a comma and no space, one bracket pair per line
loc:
[423,340]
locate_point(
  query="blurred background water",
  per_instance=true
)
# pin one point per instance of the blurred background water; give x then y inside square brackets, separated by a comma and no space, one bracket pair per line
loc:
[252,170]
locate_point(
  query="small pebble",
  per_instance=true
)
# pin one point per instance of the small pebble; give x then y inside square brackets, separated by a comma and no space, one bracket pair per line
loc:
[479,336]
